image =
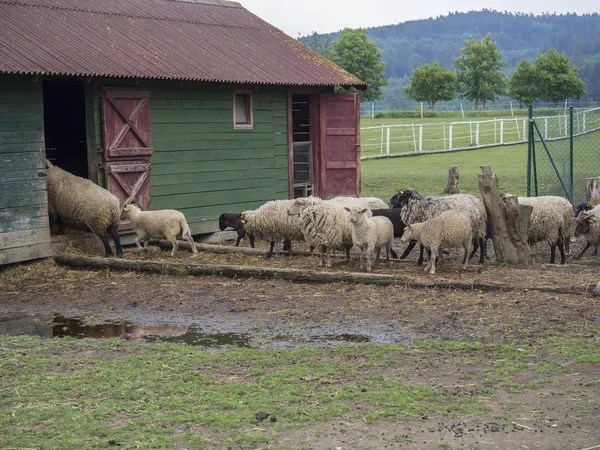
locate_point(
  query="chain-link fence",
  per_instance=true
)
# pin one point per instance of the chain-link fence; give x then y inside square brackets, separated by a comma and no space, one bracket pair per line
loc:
[564,150]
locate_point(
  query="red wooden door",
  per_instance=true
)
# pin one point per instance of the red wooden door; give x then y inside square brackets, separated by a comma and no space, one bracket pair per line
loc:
[127,145]
[340,145]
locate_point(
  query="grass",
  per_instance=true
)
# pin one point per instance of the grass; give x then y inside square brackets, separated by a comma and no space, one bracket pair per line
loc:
[428,173]
[67,393]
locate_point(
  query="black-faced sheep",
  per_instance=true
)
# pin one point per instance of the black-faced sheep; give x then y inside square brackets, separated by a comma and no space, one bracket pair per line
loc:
[83,205]
[324,224]
[587,224]
[551,222]
[234,221]
[414,208]
[448,230]
[585,206]
[166,224]
[370,233]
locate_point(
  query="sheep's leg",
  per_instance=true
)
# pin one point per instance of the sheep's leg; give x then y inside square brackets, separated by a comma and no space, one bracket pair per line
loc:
[580,254]
[475,248]
[434,254]
[117,239]
[428,265]
[420,260]
[239,238]
[378,254]
[174,244]
[393,253]
[368,254]
[328,256]
[466,259]
[137,242]
[561,249]
[287,246]
[106,242]
[595,252]
[406,252]
[482,250]
[388,250]
[552,253]
[270,252]
[323,255]
[190,240]
[348,247]
[251,239]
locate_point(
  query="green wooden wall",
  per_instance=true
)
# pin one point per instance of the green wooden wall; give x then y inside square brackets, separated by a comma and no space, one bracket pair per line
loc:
[201,165]
[24,231]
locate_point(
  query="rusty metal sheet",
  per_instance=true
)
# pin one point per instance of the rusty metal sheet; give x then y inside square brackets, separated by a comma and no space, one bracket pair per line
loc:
[207,40]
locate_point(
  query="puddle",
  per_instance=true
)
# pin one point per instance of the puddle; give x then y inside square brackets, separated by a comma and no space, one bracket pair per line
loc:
[58,326]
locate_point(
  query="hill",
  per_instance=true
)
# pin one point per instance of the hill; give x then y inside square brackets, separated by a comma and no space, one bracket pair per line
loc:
[408,45]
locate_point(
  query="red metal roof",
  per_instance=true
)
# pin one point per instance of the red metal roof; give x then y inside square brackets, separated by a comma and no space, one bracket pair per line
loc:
[208,40]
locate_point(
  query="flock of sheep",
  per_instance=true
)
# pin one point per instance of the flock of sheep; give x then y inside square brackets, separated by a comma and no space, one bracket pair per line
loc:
[365,223]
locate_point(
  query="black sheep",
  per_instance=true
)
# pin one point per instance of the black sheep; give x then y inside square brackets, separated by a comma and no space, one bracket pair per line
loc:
[234,220]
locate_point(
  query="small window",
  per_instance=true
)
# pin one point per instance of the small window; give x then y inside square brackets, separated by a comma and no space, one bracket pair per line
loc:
[242,109]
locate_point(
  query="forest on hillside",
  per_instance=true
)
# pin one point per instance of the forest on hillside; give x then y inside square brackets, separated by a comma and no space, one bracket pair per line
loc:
[406,46]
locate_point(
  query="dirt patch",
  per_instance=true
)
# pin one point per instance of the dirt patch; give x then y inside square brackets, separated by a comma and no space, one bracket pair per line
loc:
[276,313]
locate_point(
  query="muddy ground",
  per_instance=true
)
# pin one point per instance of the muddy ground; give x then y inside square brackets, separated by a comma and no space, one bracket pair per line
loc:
[521,306]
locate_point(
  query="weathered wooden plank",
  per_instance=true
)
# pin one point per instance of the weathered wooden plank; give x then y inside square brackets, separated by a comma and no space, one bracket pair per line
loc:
[31,147]
[25,185]
[231,176]
[183,201]
[205,186]
[192,116]
[157,104]
[17,199]
[210,166]
[200,131]
[21,117]
[210,155]
[18,175]
[213,142]
[28,252]
[22,223]
[20,137]
[20,107]
[24,238]
[21,161]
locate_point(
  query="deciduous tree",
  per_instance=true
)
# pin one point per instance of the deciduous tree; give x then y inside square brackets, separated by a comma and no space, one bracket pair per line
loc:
[522,86]
[431,83]
[479,78]
[557,78]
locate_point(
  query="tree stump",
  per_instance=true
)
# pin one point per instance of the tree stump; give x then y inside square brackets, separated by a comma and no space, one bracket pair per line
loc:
[592,191]
[452,185]
[508,222]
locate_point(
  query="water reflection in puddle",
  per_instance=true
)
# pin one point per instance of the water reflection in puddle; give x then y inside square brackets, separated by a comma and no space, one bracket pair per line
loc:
[55,326]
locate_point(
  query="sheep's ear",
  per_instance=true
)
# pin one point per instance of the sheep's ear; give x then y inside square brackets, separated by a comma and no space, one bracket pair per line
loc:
[346,208]
[364,211]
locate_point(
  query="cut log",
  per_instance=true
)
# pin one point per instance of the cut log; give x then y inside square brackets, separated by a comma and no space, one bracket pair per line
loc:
[214,248]
[508,222]
[452,185]
[592,191]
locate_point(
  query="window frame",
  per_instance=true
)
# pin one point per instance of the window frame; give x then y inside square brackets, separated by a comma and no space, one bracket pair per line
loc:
[249,109]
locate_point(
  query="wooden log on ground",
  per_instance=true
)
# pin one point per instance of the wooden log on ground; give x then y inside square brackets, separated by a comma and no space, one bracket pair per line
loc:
[234,271]
[228,249]
[592,191]
[452,185]
[508,225]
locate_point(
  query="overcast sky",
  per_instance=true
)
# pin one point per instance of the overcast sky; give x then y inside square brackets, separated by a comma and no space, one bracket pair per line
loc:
[302,17]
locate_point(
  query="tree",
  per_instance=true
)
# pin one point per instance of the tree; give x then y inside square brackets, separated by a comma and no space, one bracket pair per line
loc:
[360,56]
[557,78]
[523,85]
[478,76]
[431,83]
[323,45]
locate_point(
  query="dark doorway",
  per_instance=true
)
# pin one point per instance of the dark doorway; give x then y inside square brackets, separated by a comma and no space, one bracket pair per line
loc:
[302,146]
[64,125]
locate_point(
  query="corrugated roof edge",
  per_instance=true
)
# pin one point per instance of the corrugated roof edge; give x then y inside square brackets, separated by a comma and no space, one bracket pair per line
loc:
[207,80]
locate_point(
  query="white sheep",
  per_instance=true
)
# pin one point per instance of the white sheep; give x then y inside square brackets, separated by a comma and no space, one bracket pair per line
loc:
[166,224]
[550,221]
[370,233]
[272,223]
[415,208]
[587,224]
[324,224]
[448,230]
[83,205]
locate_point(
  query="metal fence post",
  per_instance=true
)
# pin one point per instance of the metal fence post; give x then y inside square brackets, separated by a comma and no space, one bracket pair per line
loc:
[571,155]
[529,151]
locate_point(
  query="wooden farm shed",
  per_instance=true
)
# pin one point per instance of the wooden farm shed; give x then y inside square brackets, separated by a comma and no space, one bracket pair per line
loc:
[195,105]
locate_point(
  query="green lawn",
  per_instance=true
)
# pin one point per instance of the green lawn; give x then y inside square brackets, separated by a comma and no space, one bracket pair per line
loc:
[428,173]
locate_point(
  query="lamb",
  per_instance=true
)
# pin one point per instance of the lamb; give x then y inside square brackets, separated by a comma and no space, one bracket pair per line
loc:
[588,226]
[271,222]
[324,224]
[360,202]
[161,224]
[449,229]
[234,220]
[414,208]
[551,222]
[394,215]
[370,233]
[83,205]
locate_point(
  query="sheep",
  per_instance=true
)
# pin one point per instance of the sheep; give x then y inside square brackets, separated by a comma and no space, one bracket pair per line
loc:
[415,208]
[551,222]
[370,233]
[323,224]
[585,206]
[160,224]
[271,222]
[234,220]
[447,230]
[394,215]
[83,205]
[587,224]
[360,202]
